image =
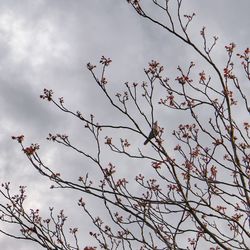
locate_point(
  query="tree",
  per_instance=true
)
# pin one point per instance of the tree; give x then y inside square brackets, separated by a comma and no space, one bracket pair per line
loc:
[197,194]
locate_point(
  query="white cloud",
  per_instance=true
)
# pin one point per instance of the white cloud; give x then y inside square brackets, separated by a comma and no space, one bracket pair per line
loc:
[33,43]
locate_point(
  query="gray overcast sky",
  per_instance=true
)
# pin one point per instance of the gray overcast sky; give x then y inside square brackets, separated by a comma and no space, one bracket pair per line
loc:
[47,43]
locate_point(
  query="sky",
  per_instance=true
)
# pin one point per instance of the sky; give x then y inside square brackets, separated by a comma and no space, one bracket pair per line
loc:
[47,44]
